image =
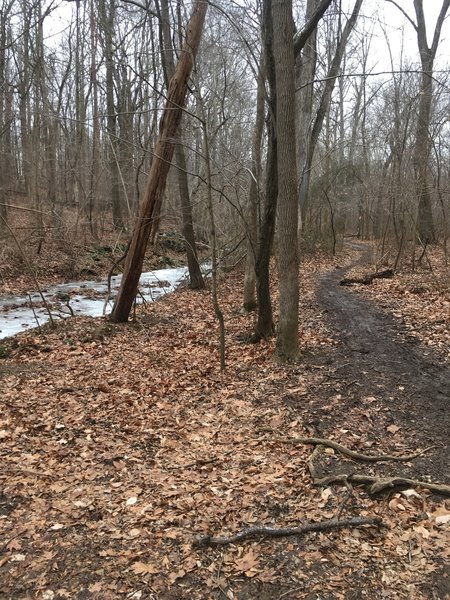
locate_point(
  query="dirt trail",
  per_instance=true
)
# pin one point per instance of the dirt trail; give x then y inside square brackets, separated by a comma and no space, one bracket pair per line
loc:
[376,366]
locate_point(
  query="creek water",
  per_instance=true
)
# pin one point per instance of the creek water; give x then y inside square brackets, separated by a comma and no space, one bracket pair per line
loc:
[82,298]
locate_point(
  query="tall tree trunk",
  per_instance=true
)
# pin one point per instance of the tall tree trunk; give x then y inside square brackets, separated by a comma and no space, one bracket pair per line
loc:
[164,149]
[287,209]
[95,145]
[24,100]
[5,116]
[425,225]
[253,198]
[107,8]
[305,70]
[195,275]
[264,326]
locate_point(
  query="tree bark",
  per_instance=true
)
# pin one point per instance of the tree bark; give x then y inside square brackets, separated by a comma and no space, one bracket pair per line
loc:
[160,165]
[253,198]
[425,225]
[287,207]
[264,326]
[305,65]
[107,18]
[196,281]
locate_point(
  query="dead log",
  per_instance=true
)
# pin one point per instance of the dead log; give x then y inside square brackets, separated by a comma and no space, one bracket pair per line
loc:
[368,279]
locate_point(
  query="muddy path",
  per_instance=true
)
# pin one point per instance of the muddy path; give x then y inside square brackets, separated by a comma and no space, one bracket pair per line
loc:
[377,379]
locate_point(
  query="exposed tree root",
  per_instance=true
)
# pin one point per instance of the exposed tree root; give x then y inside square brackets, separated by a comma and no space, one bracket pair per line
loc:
[376,484]
[379,484]
[262,530]
[343,449]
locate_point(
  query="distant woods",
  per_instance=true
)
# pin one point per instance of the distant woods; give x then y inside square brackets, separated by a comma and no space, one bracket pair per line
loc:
[83,85]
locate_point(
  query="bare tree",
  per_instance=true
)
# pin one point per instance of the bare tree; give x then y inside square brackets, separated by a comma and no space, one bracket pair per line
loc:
[195,274]
[330,80]
[160,166]
[425,226]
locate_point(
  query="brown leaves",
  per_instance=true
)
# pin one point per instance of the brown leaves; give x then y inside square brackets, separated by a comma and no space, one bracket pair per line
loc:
[248,563]
[140,568]
[392,428]
[117,454]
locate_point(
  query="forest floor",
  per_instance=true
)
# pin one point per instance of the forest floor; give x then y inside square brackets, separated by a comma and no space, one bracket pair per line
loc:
[121,444]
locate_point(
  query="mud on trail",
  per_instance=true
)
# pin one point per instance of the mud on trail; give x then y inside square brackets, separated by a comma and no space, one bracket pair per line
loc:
[376,368]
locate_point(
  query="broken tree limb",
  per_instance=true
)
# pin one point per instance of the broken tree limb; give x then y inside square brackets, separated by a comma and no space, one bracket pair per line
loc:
[344,450]
[368,279]
[275,532]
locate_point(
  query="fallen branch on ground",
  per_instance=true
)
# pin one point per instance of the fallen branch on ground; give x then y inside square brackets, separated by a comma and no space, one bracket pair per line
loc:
[262,530]
[344,450]
[368,279]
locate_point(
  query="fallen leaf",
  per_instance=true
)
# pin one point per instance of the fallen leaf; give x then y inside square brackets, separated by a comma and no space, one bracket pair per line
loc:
[442,519]
[14,544]
[134,533]
[392,428]
[410,493]
[141,568]
[247,563]
[326,493]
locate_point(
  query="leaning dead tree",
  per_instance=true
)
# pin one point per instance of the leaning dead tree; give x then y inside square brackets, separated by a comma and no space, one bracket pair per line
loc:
[162,159]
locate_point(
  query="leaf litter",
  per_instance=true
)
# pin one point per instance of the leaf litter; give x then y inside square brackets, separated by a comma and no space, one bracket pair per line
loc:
[120,444]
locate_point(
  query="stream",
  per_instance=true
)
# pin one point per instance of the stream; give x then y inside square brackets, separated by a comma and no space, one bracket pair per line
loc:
[79,298]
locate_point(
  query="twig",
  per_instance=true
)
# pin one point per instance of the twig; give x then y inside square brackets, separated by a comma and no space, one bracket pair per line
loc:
[35,315]
[348,495]
[275,532]
[377,484]
[368,279]
[30,269]
[9,540]
[110,274]
[29,472]
[344,450]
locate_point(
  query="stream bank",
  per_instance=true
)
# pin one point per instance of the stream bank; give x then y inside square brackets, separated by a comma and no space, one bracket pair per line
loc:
[79,298]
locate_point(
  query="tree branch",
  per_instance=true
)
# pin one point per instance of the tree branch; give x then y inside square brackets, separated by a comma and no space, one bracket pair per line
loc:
[438,28]
[302,36]
[404,13]
[141,6]
[275,532]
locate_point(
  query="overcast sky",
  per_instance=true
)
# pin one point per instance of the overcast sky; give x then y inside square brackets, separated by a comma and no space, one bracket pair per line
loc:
[399,31]
[378,13]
